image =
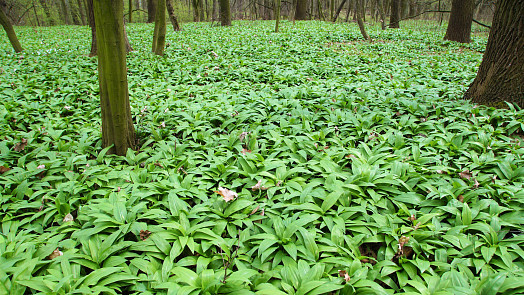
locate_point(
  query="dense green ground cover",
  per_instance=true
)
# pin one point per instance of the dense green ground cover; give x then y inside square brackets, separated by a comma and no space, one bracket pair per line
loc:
[370,166]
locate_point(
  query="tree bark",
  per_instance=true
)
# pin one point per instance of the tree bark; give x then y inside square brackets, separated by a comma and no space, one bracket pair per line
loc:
[65,12]
[460,20]
[117,125]
[151,10]
[159,36]
[130,12]
[360,12]
[301,10]
[172,16]
[81,11]
[334,19]
[394,18]
[10,31]
[278,4]
[91,21]
[501,74]
[225,12]
[50,19]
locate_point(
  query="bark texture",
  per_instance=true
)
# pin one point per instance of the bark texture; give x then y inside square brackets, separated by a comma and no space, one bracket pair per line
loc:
[225,12]
[360,13]
[10,32]
[339,9]
[117,125]
[91,21]
[278,4]
[301,10]
[172,16]
[159,35]
[394,18]
[151,10]
[460,20]
[49,18]
[501,74]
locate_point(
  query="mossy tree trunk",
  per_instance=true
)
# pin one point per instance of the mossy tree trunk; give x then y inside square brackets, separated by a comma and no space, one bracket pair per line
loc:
[117,125]
[225,12]
[159,35]
[360,11]
[394,18]
[49,18]
[460,20]
[172,16]
[501,74]
[91,21]
[82,12]
[10,31]
[65,11]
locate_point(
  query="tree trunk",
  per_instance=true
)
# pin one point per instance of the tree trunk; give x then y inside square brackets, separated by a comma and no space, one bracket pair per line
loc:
[130,11]
[332,9]
[394,18]
[278,5]
[501,74]
[117,125]
[360,12]
[348,12]
[301,10]
[151,10]
[91,21]
[159,36]
[172,16]
[338,11]
[65,12]
[10,31]
[81,11]
[214,13]
[225,12]
[196,11]
[460,20]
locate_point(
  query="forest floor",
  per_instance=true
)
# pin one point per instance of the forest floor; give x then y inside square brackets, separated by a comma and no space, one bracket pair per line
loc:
[347,166]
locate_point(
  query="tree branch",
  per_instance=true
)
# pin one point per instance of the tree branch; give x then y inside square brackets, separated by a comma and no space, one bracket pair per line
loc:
[441,11]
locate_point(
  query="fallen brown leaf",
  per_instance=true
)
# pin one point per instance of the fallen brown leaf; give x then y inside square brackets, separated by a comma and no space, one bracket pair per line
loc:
[258,186]
[227,194]
[344,274]
[4,169]
[21,145]
[466,174]
[68,218]
[55,254]
[144,234]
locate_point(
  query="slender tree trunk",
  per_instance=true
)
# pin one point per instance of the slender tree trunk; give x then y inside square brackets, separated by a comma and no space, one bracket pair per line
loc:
[360,12]
[151,10]
[10,31]
[339,9]
[196,11]
[159,36]
[130,12]
[501,74]
[301,10]
[214,17]
[172,16]
[460,20]
[65,12]
[349,10]
[82,12]
[394,18]
[91,21]
[278,5]
[225,12]
[117,125]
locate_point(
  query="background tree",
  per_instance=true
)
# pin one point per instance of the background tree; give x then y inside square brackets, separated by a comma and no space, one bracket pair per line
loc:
[278,4]
[394,18]
[172,16]
[117,125]
[301,10]
[360,12]
[225,13]
[6,23]
[159,35]
[151,10]
[501,74]
[460,20]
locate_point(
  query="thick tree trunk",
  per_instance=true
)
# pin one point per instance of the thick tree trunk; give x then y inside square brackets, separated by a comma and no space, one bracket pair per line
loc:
[117,125]
[196,11]
[225,12]
[394,18]
[172,16]
[10,32]
[501,74]
[151,10]
[301,10]
[278,5]
[460,20]
[159,36]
